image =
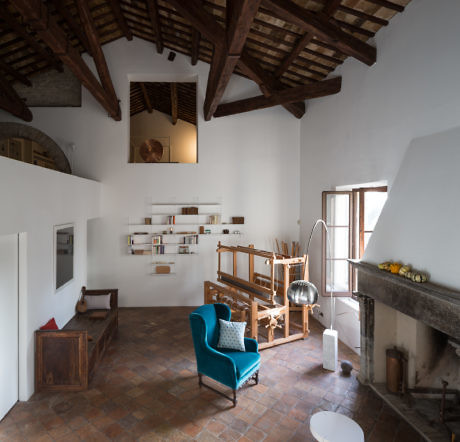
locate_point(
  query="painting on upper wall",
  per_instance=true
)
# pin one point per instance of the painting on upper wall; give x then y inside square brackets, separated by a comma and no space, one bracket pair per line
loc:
[163,122]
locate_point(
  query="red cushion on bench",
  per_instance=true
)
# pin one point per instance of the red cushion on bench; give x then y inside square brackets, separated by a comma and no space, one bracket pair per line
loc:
[50,325]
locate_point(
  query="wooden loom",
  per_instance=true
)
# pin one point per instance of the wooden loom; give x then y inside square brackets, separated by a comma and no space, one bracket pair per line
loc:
[253,300]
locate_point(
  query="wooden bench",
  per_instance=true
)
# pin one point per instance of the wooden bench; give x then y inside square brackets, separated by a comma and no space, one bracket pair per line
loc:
[65,359]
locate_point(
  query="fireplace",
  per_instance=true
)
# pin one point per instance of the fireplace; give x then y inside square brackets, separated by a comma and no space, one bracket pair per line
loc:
[423,322]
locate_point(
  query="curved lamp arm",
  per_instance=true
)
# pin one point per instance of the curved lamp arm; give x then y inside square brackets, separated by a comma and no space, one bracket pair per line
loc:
[321,221]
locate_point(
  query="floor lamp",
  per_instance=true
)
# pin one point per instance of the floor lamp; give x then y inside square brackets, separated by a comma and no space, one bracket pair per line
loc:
[305,292]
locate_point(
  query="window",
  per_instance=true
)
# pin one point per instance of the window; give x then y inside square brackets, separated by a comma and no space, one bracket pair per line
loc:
[351,216]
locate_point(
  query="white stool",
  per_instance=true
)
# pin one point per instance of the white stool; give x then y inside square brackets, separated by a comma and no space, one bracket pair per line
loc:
[327,426]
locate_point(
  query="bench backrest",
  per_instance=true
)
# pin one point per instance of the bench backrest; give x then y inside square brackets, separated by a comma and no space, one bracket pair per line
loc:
[113,295]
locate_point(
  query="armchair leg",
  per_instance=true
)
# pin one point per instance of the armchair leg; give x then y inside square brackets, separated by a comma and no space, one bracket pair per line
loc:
[234,398]
[200,382]
[257,377]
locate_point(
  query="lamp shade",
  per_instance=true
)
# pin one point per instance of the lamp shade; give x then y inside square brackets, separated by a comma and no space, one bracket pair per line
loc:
[302,292]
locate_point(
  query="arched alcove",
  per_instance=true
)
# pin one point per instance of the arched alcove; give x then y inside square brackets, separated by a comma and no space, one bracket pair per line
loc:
[18,131]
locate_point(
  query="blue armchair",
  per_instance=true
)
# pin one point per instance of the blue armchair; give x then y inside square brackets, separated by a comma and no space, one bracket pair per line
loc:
[229,367]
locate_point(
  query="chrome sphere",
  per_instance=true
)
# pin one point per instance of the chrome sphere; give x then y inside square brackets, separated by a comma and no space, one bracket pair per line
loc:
[302,292]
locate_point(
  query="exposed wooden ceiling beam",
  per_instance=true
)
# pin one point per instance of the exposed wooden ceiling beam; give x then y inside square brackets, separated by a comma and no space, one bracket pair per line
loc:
[87,22]
[20,30]
[118,13]
[330,7]
[14,73]
[196,37]
[240,15]
[152,8]
[11,102]
[72,23]
[268,84]
[387,4]
[299,47]
[173,103]
[146,97]
[320,27]
[291,95]
[35,13]
[210,29]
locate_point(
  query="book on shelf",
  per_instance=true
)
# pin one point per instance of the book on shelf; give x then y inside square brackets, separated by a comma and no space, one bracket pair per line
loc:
[157,239]
[159,249]
[191,239]
[171,219]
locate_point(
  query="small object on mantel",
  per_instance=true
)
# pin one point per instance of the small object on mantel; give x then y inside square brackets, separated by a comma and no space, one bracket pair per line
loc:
[226,231]
[419,277]
[346,367]
[171,56]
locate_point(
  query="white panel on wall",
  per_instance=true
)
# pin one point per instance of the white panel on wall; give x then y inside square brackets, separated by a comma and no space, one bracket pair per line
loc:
[9,309]
[35,200]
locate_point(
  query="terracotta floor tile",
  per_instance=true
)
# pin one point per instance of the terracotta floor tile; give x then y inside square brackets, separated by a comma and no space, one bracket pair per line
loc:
[146,389]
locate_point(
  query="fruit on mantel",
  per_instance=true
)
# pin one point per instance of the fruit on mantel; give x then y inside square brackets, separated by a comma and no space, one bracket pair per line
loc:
[404,270]
[385,266]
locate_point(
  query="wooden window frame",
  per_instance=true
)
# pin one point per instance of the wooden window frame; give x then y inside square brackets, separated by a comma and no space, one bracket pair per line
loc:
[351,244]
[361,192]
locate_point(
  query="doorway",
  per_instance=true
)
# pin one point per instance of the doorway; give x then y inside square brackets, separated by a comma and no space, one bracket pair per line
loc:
[9,322]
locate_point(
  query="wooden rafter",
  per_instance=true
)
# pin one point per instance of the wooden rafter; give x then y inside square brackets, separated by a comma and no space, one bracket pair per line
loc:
[98,56]
[291,95]
[35,13]
[319,26]
[11,102]
[330,7]
[14,73]
[152,8]
[387,4]
[117,12]
[267,83]
[174,103]
[299,47]
[240,14]
[210,29]
[196,37]
[145,95]
[20,30]
[72,23]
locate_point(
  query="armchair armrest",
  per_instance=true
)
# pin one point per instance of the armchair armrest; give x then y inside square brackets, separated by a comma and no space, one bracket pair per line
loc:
[251,345]
[221,363]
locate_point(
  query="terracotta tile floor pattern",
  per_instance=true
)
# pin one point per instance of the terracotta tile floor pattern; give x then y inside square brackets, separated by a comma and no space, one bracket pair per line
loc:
[146,388]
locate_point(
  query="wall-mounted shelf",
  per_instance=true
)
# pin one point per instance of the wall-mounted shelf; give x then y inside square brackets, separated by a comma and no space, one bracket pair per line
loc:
[171,219]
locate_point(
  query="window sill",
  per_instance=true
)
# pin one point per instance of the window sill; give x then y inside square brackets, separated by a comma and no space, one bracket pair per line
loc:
[350,303]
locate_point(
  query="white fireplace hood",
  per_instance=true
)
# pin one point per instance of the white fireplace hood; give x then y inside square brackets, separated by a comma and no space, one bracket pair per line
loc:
[420,223]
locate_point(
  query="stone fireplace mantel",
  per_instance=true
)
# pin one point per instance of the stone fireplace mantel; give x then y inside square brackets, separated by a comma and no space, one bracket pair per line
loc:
[432,304]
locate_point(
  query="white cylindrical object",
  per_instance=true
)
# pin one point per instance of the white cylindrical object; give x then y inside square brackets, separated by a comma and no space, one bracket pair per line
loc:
[330,349]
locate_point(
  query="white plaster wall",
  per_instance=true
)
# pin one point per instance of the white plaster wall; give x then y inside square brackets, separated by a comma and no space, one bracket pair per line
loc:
[248,162]
[182,135]
[361,134]
[418,224]
[33,200]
